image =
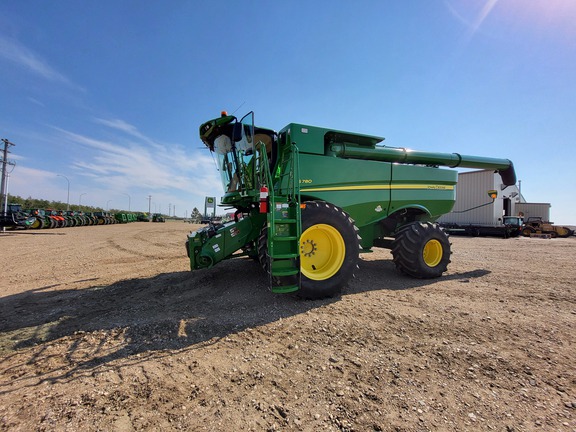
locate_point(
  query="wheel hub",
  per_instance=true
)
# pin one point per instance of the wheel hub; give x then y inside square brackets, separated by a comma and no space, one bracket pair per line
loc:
[322,252]
[308,248]
[432,253]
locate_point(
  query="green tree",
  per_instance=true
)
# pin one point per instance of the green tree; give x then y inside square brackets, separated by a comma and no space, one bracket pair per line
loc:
[195,216]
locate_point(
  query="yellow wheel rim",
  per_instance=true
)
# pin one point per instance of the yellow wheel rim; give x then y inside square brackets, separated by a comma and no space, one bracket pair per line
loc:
[432,253]
[322,252]
[36,224]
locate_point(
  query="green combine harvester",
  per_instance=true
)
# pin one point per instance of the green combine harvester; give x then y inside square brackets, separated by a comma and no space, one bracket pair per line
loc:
[308,200]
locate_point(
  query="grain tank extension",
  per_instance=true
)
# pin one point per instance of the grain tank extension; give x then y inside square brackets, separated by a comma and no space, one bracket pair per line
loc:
[308,200]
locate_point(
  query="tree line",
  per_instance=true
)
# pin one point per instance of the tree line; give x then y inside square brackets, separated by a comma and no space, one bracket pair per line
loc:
[37,203]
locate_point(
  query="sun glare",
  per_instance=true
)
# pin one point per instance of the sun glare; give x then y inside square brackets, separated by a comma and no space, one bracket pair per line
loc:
[556,16]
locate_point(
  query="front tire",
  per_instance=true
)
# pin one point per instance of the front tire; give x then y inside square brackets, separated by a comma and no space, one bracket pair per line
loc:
[329,250]
[421,250]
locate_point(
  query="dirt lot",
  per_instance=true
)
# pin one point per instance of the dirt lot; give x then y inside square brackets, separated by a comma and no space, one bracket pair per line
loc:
[104,328]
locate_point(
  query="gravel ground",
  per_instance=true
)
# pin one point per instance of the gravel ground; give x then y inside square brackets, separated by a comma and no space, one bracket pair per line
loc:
[105,328]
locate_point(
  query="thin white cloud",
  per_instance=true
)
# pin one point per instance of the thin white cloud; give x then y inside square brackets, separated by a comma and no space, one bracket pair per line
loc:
[173,154]
[122,126]
[25,58]
[15,157]
[36,101]
[44,183]
[124,164]
[108,169]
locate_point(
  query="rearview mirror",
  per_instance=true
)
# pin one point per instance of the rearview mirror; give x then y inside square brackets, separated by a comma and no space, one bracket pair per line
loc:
[237,132]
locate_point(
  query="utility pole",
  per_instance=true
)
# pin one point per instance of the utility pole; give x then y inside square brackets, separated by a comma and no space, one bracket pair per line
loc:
[4,182]
[149,204]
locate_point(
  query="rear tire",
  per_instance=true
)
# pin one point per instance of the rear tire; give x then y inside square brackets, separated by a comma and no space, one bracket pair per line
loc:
[421,250]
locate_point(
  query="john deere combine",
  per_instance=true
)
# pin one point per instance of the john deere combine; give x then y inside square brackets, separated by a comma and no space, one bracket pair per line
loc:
[308,200]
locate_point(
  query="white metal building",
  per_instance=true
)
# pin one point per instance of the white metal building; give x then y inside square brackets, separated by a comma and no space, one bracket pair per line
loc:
[473,204]
[527,210]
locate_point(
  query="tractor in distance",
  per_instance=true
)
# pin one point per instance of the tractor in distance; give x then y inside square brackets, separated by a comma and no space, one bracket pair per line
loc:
[157,217]
[308,200]
[14,217]
[536,226]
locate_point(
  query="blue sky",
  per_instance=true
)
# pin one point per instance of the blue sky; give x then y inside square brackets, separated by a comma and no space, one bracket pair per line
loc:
[111,93]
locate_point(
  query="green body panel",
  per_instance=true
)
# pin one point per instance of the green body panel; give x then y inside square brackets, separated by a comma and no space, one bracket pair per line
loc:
[312,139]
[428,188]
[369,191]
[381,188]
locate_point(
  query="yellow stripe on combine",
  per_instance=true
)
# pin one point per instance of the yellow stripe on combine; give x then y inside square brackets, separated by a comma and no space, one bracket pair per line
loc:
[380,187]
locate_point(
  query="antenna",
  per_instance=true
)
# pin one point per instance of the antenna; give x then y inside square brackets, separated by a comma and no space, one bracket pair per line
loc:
[241,105]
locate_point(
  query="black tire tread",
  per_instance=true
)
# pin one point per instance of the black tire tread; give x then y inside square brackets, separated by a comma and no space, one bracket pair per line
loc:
[408,245]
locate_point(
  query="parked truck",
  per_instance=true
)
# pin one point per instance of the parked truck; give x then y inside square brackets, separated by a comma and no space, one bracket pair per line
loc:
[308,200]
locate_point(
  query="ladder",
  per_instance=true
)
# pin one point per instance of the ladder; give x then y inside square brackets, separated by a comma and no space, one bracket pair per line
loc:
[284,224]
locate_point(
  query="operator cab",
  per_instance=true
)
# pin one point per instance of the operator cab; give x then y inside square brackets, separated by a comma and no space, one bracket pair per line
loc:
[235,143]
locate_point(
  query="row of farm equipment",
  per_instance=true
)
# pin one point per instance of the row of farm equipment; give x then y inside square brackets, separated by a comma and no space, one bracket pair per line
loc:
[16,217]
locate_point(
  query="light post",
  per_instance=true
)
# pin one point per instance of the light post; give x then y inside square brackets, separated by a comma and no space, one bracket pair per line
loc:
[108,205]
[80,200]
[68,196]
[128,200]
